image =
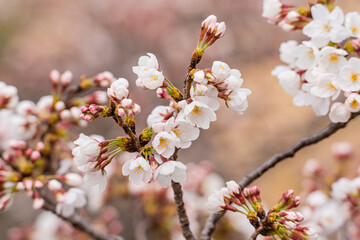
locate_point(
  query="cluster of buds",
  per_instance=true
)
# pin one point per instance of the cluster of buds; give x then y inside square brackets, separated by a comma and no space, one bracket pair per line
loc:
[285,16]
[103,80]
[279,222]
[211,30]
[93,111]
[59,83]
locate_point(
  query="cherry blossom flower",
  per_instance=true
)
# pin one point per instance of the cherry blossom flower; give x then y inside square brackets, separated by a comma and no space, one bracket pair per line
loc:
[138,170]
[170,171]
[350,75]
[326,26]
[118,89]
[73,198]
[220,70]
[160,114]
[306,54]
[205,94]
[352,102]
[8,96]
[87,151]
[164,143]
[271,8]
[216,201]
[199,114]
[237,100]
[183,130]
[339,113]
[352,23]
[332,59]
[147,71]
[95,179]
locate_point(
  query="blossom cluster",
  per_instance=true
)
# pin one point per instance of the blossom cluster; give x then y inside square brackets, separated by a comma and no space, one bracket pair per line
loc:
[170,127]
[322,72]
[34,141]
[337,211]
[279,222]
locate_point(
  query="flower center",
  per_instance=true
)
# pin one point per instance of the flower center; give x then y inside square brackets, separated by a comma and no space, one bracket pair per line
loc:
[333,58]
[331,86]
[163,142]
[326,27]
[354,104]
[154,78]
[177,131]
[310,54]
[138,170]
[354,29]
[197,111]
[354,77]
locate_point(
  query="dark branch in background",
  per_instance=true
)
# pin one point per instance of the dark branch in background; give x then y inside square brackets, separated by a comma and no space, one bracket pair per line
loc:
[183,218]
[326,132]
[76,220]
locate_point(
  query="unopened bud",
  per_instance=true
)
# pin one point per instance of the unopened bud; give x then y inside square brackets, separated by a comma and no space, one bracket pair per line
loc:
[54,185]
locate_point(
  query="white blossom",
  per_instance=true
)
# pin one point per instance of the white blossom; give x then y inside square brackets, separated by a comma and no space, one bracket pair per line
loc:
[159,114]
[87,151]
[287,52]
[199,77]
[220,70]
[325,86]
[271,8]
[326,26]
[199,114]
[96,179]
[352,23]
[73,198]
[148,72]
[170,171]
[205,94]
[289,81]
[350,75]
[234,81]
[306,54]
[332,59]
[138,170]
[237,100]
[183,130]
[216,201]
[8,95]
[164,143]
[352,102]
[118,89]
[339,113]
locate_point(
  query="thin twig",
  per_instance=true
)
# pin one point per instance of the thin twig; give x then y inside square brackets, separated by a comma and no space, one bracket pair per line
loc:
[76,220]
[195,59]
[271,162]
[180,207]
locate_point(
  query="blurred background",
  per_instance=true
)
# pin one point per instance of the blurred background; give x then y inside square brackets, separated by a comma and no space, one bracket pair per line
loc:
[89,36]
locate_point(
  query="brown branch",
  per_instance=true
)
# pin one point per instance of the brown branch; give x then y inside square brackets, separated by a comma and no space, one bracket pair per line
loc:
[195,59]
[271,162]
[76,220]
[180,207]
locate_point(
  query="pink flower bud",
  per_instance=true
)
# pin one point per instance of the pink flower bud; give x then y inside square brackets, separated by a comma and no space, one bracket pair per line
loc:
[136,109]
[84,108]
[121,112]
[66,78]
[59,106]
[342,150]
[94,108]
[209,20]
[65,115]
[38,203]
[126,103]
[40,146]
[20,186]
[54,76]
[35,155]
[220,31]
[18,144]
[38,184]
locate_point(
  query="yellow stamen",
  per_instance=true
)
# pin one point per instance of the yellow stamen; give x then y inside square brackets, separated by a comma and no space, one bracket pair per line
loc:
[354,29]
[354,104]
[163,142]
[333,58]
[138,169]
[331,86]
[310,54]
[354,77]
[197,111]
